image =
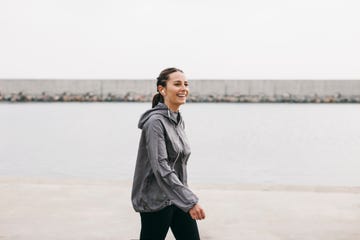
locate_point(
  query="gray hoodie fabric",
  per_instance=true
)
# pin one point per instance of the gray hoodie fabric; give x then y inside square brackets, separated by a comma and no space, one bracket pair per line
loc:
[160,177]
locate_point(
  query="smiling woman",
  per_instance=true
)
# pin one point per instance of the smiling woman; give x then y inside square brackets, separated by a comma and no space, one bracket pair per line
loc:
[160,191]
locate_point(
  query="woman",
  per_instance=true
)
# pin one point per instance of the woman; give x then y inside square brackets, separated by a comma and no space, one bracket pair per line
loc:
[160,191]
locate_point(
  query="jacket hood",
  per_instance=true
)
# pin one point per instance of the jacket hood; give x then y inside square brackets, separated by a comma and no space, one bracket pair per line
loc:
[161,109]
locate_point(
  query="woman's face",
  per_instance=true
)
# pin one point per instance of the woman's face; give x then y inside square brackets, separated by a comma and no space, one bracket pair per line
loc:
[176,90]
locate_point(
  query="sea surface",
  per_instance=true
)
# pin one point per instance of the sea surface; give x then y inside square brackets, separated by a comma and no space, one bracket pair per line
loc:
[301,144]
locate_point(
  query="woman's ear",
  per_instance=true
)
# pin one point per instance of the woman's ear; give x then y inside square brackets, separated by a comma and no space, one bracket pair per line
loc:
[161,90]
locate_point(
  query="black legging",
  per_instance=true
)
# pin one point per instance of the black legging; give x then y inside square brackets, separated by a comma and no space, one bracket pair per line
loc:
[155,225]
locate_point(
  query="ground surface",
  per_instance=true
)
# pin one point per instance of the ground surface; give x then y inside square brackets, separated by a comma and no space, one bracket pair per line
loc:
[45,209]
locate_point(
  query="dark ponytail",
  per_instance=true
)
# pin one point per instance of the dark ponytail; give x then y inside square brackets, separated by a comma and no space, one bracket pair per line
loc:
[156,99]
[161,81]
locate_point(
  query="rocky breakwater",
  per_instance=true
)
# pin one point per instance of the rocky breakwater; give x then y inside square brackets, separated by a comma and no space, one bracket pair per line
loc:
[138,97]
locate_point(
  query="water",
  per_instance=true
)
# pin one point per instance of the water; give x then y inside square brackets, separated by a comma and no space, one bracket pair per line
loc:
[303,144]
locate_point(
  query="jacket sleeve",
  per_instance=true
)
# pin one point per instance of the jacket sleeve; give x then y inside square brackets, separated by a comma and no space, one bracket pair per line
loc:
[166,177]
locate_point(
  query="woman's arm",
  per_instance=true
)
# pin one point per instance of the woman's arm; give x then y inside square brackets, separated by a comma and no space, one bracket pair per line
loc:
[167,179]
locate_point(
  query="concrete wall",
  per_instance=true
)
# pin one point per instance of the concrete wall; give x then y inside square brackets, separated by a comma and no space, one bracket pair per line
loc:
[198,87]
[273,87]
[97,87]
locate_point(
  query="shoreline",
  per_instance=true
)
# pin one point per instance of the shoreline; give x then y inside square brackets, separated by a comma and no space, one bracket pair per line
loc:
[203,186]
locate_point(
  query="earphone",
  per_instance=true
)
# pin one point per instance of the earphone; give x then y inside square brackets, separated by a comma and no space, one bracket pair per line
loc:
[163,91]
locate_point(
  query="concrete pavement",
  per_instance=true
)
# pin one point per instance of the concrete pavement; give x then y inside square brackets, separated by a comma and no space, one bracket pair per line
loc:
[64,209]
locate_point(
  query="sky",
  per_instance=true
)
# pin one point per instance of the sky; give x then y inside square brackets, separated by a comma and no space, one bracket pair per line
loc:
[207,39]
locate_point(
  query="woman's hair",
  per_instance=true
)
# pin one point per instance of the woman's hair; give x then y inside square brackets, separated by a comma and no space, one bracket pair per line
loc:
[161,80]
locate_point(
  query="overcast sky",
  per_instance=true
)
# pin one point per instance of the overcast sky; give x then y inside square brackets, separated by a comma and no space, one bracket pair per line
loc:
[208,39]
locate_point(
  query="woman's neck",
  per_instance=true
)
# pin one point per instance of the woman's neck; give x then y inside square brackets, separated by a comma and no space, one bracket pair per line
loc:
[172,107]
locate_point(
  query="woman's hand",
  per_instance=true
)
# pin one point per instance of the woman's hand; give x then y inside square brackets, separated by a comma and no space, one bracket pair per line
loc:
[197,213]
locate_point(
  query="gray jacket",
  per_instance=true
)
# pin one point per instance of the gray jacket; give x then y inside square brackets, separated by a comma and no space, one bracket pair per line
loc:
[160,177]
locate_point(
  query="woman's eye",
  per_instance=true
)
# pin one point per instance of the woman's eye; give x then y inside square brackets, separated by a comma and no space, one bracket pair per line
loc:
[180,84]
